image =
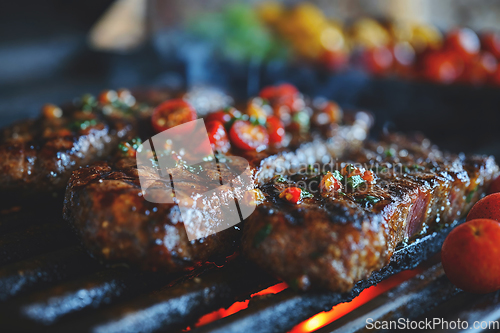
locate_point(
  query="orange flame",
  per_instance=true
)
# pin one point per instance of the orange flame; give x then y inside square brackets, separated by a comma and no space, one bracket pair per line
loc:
[238,306]
[325,318]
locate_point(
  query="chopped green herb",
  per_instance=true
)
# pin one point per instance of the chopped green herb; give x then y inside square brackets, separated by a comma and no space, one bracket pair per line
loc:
[337,175]
[262,234]
[349,168]
[471,195]
[82,124]
[301,118]
[390,152]
[305,194]
[279,179]
[369,198]
[355,181]
[311,169]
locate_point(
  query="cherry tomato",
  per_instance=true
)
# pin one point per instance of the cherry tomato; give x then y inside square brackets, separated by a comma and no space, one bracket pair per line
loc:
[494,186]
[283,95]
[464,41]
[378,60]
[224,116]
[334,60]
[276,129]
[491,43]
[479,69]
[329,184]
[172,113]
[292,194]
[218,136]
[442,66]
[246,136]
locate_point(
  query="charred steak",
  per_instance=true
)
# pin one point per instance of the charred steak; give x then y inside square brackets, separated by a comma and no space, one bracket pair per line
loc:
[353,215]
[39,155]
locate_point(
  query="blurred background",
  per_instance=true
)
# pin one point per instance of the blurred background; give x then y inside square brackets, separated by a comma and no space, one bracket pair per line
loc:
[423,65]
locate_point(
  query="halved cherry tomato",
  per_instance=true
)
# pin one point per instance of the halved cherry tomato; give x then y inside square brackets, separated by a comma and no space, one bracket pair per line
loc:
[218,136]
[245,135]
[172,113]
[276,129]
[292,194]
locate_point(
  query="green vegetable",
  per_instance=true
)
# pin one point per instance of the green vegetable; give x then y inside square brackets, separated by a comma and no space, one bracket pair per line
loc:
[369,198]
[337,175]
[301,118]
[471,194]
[305,194]
[279,179]
[82,124]
[262,234]
[355,181]
[390,152]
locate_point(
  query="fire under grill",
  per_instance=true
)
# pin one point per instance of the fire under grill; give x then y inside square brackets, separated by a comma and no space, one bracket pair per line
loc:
[47,281]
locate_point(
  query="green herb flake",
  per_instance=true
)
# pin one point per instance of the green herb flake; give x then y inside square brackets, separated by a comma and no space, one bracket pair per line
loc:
[337,175]
[390,153]
[279,179]
[355,181]
[304,194]
[471,194]
[369,198]
[262,234]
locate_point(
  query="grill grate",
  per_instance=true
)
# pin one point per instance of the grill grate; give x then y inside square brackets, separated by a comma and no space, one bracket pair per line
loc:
[48,281]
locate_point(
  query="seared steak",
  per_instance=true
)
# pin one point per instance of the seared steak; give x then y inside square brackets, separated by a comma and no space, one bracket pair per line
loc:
[39,155]
[334,238]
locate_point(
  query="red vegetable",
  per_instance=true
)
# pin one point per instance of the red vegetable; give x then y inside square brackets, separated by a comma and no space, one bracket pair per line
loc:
[442,66]
[246,136]
[486,208]
[480,68]
[218,136]
[224,116]
[470,256]
[172,113]
[491,43]
[276,129]
[464,41]
[282,95]
[292,194]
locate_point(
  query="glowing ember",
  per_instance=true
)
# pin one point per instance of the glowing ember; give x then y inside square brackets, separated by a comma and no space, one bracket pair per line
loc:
[325,318]
[238,306]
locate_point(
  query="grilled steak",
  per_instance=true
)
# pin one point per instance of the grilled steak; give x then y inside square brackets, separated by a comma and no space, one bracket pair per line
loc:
[338,235]
[105,204]
[39,155]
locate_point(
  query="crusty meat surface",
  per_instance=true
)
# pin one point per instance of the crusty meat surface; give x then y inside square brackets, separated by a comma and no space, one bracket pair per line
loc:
[336,240]
[39,155]
[105,204]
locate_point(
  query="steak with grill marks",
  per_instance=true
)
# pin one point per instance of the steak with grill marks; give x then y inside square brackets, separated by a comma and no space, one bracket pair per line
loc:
[332,241]
[39,155]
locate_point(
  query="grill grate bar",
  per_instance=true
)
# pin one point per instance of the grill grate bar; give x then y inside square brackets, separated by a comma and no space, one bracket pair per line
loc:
[42,270]
[180,305]
[284,310]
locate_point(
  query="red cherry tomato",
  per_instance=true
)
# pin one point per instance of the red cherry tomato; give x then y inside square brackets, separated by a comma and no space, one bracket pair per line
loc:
[479,69]
[378,60]
[464,41]
[494,186]
[246,136]
[491,43]
[220,116]
[292,195]
[486,208]
[282,95]
[334,60]
[172,113]
[276,129]
[442,66]
[218,136]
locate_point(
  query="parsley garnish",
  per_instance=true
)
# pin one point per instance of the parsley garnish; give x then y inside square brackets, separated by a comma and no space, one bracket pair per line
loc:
[305,194]
[355,181]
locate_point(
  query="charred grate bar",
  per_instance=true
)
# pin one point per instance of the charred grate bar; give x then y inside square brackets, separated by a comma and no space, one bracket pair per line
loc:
[55,286]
